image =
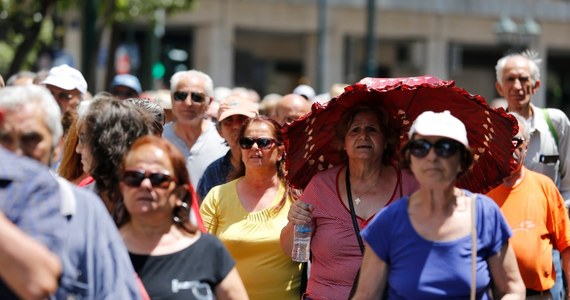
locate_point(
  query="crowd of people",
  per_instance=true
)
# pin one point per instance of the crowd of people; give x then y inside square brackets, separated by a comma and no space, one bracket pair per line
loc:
[182,194]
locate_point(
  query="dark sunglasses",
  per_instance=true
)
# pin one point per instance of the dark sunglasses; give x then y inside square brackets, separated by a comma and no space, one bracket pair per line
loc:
[134,178]
[195,96]
[262,143]
[517,141]
[443,148]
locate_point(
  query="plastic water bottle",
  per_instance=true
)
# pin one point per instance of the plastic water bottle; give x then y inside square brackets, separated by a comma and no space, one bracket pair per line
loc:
[302,243]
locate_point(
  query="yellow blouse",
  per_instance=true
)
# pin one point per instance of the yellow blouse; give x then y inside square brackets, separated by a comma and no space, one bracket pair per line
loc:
[252,239]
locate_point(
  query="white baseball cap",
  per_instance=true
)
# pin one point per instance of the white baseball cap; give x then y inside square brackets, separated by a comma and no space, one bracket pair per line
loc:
[440,124]
[305,91]
[67,78]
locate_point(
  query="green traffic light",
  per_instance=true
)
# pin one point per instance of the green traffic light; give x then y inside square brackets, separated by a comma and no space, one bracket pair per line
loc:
[158,70]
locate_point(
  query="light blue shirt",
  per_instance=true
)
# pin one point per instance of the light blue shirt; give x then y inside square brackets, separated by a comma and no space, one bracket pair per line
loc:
[208,147]
[96,264]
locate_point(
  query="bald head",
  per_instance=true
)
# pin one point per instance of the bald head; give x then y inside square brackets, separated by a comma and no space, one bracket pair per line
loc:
[291,107]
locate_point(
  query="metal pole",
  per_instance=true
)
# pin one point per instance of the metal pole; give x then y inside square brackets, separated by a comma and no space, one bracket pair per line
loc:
[88,53]
[370,43]
[321,44]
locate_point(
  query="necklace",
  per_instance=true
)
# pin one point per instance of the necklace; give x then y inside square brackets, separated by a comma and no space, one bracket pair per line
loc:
[358,200]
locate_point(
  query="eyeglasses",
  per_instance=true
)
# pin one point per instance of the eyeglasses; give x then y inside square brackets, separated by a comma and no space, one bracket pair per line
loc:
[517,141]
[443,148]
[262,143]
[194,96]
[134,178]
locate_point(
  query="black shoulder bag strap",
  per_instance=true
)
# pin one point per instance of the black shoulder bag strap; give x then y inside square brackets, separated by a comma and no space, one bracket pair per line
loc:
[356,228]
[352,212]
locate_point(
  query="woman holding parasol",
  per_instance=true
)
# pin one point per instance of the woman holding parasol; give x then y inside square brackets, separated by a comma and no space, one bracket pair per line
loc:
[367,181]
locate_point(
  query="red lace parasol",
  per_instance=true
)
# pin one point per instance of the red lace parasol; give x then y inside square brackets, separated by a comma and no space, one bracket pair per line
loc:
[309,140]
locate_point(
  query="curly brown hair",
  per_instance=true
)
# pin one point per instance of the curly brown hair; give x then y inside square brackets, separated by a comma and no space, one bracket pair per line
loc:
[109,127]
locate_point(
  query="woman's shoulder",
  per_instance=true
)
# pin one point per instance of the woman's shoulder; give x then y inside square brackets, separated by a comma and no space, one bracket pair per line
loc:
[210,239]
[326,175]
[484,203]
[224,188]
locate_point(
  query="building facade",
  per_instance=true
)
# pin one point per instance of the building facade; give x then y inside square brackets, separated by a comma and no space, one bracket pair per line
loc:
[273,45]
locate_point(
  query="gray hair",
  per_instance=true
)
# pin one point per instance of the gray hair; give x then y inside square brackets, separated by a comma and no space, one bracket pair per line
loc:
[180,75]
[82,108]
[522,129]
[14,97]
[155,111]
[22,74]
[533,60]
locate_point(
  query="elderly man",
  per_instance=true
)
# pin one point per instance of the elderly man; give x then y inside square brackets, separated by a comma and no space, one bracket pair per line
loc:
[233,112]
[195,136]
[67,86]
[290,107]
[95,261]
[518,79]
[534,208]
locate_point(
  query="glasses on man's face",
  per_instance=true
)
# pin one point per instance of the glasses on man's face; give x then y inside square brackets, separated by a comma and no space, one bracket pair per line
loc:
[194,96]
[517,141]
[262,143]
[444,148]
[134,178]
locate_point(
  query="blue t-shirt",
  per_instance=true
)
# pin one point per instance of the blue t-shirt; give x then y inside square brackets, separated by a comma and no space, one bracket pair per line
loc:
[423,269]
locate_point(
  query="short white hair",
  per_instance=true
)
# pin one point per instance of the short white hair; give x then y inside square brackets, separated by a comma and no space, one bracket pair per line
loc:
[14,97]
[180,75]
[533,60]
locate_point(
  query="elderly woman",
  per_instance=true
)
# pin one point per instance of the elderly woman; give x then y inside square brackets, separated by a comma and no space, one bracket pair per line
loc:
[172,257]
[247,214]
[421,246]
[370,180]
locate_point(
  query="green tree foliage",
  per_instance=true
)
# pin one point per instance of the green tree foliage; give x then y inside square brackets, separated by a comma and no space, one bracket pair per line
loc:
[30,26]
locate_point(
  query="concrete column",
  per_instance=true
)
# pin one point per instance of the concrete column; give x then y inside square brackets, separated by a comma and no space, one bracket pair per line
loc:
[437,50]
[310,59]
[334,60]
[213,47]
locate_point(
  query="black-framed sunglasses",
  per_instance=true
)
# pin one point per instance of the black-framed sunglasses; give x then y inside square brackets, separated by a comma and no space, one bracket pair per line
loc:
[134,178]
[262,142]
[194,96]
[517,141]
[443,148]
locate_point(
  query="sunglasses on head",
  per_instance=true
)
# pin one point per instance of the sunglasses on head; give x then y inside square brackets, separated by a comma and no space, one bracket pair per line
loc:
[443,148]
[194,96]
[134,178]
[517,141]
[262,143]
